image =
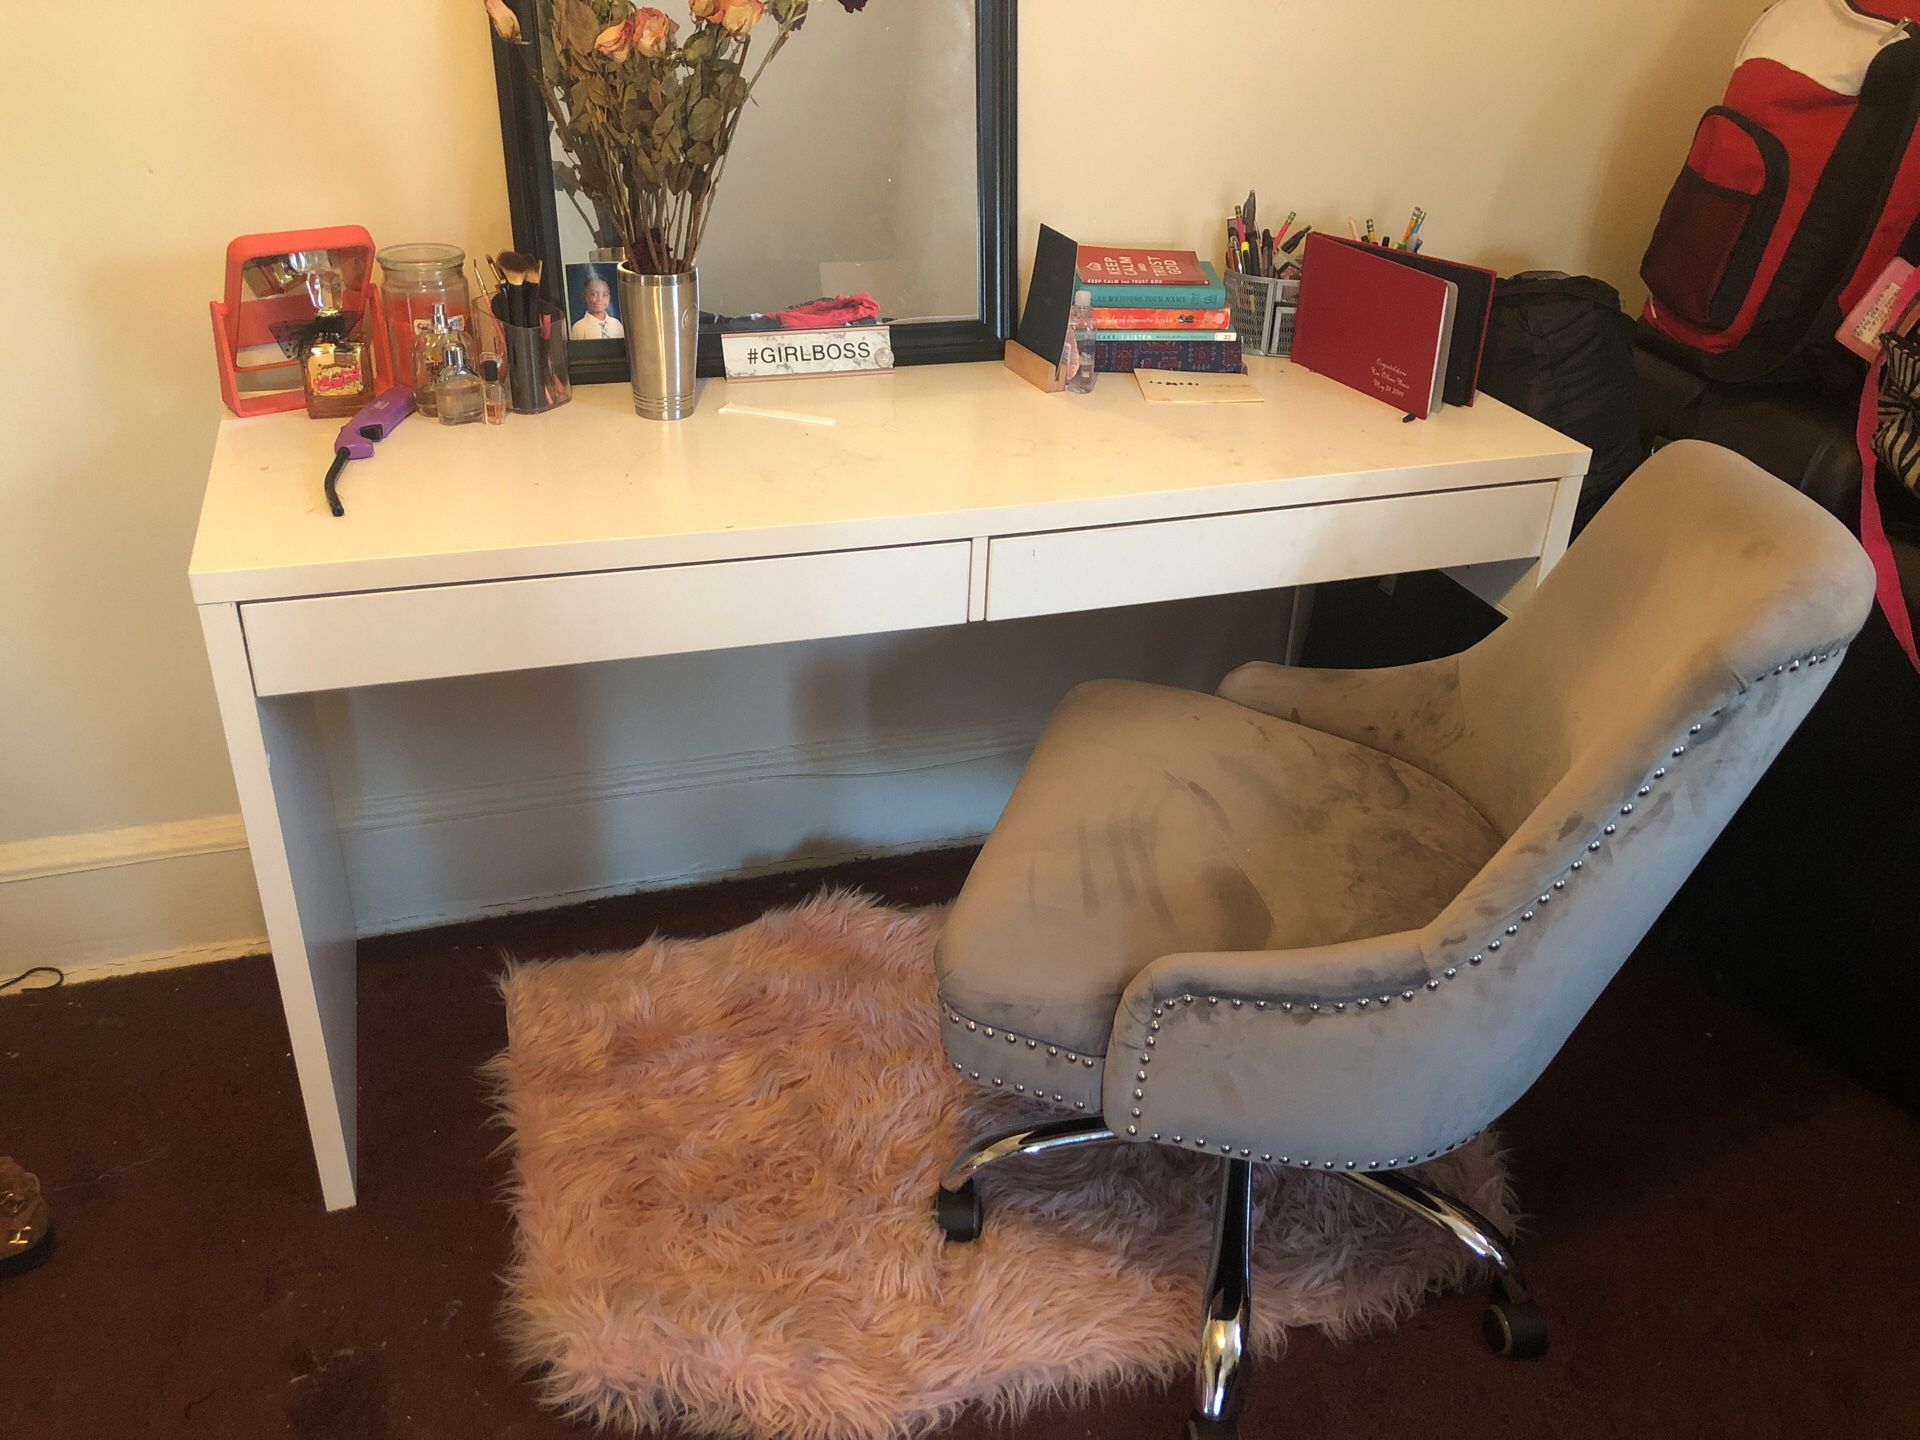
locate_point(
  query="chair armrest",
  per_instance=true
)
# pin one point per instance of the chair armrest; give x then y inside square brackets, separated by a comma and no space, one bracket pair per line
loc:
[1321,975]
[1317,1055]
[1409,711]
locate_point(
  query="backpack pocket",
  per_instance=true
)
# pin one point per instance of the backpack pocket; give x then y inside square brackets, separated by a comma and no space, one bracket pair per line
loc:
[1715,227]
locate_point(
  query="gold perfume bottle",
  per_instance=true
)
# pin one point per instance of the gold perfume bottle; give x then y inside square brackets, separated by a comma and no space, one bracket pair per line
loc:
[336,370]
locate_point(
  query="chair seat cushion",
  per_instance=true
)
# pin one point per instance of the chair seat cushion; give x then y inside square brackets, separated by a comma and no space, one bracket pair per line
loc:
[1153,821]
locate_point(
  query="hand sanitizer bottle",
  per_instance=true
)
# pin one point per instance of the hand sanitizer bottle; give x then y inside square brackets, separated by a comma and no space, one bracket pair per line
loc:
[1080,343]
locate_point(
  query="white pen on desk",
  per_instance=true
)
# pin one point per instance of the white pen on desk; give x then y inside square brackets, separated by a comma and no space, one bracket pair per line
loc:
[734,408]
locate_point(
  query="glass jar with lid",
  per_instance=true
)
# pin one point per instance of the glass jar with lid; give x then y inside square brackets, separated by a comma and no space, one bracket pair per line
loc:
[413,280]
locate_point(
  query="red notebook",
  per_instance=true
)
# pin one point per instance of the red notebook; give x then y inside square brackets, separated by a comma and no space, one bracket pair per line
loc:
[1383,329]
[1105,265]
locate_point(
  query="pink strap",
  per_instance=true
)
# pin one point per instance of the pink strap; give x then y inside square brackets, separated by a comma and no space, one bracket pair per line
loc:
[1873,533]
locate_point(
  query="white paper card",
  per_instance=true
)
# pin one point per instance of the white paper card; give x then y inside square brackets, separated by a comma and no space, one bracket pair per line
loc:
[771,354]
[1191,387]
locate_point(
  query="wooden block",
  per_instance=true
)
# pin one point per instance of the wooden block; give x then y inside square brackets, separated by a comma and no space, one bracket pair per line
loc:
[1041,374]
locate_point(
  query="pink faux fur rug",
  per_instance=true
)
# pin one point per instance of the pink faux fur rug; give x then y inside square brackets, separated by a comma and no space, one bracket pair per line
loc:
[725,1156]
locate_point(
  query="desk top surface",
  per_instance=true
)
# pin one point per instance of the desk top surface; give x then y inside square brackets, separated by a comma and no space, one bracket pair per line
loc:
[926,454]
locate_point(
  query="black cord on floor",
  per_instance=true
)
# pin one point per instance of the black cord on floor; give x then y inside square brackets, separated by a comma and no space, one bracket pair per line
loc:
[59,978]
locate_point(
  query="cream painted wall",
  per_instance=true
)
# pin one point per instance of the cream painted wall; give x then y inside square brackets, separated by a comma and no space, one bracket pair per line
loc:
[1537,135]
[1547,138]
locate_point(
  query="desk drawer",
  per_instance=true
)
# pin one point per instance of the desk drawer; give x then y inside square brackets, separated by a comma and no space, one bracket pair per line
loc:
[1070,570]
[335,642]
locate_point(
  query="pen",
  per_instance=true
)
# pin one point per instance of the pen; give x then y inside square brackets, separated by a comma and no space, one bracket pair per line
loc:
[1266,252]
[1294,244]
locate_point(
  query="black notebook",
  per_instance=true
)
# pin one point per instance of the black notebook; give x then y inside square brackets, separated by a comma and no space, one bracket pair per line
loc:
[1471,318]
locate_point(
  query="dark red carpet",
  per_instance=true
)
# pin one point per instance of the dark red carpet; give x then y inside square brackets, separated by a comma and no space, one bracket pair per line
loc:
[1726,1239]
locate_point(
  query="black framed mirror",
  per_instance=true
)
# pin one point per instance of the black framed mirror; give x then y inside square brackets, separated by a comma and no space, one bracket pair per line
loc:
[856,171]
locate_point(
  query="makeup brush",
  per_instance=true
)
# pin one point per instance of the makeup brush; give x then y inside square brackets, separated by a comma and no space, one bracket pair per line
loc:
[498,303]
[487,296]
[516,267]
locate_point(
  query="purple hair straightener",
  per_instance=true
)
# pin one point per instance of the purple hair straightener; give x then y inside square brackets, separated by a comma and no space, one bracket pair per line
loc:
[377,419]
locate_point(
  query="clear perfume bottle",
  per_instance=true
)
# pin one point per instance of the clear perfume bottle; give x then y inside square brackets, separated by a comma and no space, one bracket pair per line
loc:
[1080,341]
[336,369]
[493,380]
[430,353]
[458,393]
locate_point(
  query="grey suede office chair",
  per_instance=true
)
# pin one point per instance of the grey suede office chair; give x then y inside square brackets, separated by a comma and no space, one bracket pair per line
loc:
[1341,920]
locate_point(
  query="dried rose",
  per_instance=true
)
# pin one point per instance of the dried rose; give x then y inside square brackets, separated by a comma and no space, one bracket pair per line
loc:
[853,7]
[506,24]
[616,41]
[740,16]
[708,10]
[652,32]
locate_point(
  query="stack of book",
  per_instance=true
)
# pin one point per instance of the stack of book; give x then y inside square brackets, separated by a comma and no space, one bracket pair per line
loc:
[1158,310]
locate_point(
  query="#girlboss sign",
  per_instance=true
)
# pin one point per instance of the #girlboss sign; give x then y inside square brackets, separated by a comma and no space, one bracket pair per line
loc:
[770,354]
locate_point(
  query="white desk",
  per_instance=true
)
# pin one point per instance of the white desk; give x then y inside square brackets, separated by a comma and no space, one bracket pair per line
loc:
[940,496]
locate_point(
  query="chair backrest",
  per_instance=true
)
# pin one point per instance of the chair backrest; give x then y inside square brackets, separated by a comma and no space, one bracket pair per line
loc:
[1692,586]
[1612,727]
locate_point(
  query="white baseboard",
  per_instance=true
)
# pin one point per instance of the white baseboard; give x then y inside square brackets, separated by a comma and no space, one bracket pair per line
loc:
[115,967]
[155,897]
[51,855]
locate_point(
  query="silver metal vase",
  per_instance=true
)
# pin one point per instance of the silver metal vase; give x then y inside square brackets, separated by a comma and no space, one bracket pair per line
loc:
[662,317]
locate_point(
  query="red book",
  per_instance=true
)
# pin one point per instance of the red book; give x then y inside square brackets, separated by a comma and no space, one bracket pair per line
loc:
[1105,265]
[1117,319]
[1383,329]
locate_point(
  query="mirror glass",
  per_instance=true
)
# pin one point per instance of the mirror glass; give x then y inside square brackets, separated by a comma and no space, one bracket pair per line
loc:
[855,170]
[276,313]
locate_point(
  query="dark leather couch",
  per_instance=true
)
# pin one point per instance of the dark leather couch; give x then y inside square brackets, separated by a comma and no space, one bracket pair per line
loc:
[1809,906]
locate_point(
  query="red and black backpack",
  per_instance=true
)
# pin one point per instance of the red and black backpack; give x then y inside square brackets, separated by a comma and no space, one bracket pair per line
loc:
[1800,187]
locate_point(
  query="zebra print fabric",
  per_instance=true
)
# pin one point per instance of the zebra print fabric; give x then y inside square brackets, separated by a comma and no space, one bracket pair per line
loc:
[1897,439]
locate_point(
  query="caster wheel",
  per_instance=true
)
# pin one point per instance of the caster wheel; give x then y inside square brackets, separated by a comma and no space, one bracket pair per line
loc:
[1515,1329]
[1201,1428]
[958,1212]
[21,1262]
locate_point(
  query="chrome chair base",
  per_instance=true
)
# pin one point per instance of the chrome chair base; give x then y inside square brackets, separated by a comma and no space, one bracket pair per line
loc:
[956,1204]
[1226,1330]
[1513,1325]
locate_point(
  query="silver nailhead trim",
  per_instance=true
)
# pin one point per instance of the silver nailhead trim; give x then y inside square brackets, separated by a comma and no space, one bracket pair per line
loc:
[1073,1058]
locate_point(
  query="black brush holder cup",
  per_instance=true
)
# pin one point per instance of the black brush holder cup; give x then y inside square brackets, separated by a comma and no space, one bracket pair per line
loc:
[537,365]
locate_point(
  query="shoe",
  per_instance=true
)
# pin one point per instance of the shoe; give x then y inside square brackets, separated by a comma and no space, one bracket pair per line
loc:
[26,1224]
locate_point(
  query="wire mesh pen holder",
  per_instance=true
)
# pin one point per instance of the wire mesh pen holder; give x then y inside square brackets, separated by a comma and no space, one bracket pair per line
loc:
[1263,311]
[536,361]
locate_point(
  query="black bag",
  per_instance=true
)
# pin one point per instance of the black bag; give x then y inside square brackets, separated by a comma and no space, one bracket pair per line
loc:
[1560,349]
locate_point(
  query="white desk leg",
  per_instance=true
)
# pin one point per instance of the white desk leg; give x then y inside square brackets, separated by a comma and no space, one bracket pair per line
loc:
[1503,584]
[287,804]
